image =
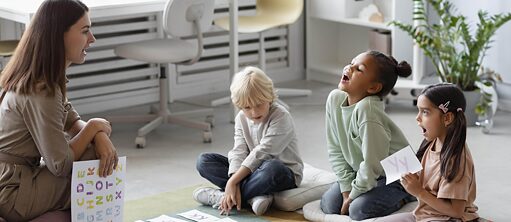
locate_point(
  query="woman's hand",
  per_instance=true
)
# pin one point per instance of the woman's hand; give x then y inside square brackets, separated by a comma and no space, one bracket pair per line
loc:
[85,133]
[232,197]
[101,125]
[106,153]
[411,184]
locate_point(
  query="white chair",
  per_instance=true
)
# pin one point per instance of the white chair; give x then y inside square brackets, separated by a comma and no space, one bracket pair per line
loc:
[269,14]
[180,18]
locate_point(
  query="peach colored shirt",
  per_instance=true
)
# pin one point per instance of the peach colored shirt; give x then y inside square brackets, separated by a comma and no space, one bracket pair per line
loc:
[463,187]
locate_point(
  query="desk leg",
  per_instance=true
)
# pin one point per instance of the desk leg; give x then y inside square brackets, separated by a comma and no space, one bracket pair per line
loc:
[233,37]
[233,51]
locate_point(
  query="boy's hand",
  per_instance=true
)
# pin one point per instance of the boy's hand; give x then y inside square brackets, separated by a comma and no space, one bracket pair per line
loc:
[232,197]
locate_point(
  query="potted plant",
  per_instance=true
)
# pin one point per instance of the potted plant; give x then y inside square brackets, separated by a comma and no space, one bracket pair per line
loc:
[456,53]
[488,103]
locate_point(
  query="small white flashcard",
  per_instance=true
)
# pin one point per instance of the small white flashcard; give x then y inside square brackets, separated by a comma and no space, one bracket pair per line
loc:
[165,218]
[399,163]
[198,216]
[95,198]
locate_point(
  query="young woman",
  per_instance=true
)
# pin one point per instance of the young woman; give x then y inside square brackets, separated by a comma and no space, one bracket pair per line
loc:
[35,115]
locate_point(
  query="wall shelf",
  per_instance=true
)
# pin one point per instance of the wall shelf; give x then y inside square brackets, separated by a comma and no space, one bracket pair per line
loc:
[360,22]
[335,34]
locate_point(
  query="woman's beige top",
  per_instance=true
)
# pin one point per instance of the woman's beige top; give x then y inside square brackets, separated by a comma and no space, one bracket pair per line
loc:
[31,127]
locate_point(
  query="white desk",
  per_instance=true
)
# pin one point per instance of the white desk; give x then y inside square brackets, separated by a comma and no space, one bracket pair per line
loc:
[105,81]
[207,76]
[233,49]
[233,37]
[22,10]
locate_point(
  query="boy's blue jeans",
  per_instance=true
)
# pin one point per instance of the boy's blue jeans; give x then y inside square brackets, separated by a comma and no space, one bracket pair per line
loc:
[272,176]
[382,200]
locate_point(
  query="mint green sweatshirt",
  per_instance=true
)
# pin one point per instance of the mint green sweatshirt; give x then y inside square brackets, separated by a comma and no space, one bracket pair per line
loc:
[359,136]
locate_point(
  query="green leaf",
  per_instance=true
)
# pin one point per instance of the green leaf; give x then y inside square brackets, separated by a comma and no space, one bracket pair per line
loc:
[456,52]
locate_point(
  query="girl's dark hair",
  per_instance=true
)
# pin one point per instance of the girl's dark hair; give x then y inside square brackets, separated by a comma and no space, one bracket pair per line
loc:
[388,71]
[454,144]
[40,56]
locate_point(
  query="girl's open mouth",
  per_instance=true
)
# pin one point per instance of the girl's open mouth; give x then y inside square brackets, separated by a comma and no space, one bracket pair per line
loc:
[345,78]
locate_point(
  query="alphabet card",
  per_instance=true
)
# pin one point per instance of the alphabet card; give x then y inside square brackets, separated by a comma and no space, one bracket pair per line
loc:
[95,198]
[399,163]
[162,218]
[198,216]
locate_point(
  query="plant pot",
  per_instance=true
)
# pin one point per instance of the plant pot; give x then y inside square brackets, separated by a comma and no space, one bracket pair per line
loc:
[495,98]
[504,93]
[472,98]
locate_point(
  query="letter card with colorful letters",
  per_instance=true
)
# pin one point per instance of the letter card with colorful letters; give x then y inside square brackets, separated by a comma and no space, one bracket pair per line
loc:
[95,198]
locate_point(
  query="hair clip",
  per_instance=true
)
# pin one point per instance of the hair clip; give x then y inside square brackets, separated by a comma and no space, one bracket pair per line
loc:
[444,107]
[459,110]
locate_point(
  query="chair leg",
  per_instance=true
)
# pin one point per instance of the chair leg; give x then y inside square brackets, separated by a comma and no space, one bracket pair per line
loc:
[262,52]
[162,115]
[221,101]
[293,92]
[173,118]
[147,128]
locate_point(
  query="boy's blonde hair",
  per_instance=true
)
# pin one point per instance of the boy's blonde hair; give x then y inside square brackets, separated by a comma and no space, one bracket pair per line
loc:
[251,87]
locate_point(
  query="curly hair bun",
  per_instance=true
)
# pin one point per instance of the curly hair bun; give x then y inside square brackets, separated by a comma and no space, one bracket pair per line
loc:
[404,69]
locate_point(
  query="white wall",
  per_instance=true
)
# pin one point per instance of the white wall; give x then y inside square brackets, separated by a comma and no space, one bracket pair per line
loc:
[498,57]
[504,47]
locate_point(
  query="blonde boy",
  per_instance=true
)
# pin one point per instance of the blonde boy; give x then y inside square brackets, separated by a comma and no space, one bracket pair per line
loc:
[265,157]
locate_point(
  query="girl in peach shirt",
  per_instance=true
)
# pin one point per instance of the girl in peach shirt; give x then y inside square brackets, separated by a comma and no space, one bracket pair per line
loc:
[446,187]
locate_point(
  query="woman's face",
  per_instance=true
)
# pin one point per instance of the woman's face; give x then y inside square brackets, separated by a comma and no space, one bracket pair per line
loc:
[77,40]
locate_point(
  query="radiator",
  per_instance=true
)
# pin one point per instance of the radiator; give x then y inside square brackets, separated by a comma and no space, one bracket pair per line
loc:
[106,82]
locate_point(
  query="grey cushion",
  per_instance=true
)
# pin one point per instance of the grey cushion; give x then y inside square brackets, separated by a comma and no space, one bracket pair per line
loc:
[315,182]
[313,212]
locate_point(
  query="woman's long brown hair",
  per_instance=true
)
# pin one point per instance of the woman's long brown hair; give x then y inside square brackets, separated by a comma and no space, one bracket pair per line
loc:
[39,61]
